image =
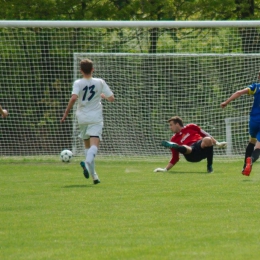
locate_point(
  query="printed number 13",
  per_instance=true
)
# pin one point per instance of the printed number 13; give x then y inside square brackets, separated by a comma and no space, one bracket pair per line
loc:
[91,91]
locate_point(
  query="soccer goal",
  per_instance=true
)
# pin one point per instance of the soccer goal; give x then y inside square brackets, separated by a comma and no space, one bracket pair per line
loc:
[156,70]
[150,88]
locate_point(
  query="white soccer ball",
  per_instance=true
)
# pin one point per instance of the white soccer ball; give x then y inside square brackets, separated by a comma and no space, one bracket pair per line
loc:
[66,155]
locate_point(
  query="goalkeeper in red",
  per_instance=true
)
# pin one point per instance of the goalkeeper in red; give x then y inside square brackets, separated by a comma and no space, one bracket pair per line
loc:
[190,140]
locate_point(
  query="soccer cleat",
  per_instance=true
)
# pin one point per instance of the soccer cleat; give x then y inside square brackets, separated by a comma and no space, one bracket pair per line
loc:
[96,181]
[85,170]
[169,144]
[209,169]
[247,170]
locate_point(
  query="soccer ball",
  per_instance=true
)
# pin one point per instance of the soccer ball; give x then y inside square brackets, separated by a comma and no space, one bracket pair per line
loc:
[66,155]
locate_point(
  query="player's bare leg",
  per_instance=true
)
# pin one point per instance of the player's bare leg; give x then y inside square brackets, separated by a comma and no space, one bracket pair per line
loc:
[206,142]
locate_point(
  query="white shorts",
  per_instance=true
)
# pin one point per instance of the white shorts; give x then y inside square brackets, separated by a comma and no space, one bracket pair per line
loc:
[91,130]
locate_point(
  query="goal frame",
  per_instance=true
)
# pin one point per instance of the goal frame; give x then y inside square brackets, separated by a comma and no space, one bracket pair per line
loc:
[128,24]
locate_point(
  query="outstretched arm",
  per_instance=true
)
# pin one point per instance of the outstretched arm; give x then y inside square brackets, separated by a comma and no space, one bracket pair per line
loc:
[72,101]
[235,96]
[175,158]
[110,99]
[167,168]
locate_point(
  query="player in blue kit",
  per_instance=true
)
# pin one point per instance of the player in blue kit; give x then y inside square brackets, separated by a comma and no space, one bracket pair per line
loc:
[253,148]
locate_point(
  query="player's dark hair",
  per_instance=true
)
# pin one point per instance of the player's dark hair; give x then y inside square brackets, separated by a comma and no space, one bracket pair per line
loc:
[86,66]
[176,120]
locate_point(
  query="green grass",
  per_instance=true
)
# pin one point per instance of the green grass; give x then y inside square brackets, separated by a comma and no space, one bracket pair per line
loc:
[50,211]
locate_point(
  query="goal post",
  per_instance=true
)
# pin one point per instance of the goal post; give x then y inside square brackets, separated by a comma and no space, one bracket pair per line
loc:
[178,68]
[236,142]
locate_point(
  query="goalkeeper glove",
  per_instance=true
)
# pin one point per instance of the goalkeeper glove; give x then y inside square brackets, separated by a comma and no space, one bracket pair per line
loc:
[221,144]
[160,170]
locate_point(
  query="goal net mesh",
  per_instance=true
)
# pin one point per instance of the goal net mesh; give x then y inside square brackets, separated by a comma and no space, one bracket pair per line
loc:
[155,73]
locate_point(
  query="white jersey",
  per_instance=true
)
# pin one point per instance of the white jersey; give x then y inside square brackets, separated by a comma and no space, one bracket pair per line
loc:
[89,109]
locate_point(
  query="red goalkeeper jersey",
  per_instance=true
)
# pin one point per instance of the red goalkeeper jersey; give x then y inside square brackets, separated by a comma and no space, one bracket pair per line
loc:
[189,135]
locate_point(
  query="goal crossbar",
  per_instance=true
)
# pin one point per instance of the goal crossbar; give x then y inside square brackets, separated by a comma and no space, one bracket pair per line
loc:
[130,24]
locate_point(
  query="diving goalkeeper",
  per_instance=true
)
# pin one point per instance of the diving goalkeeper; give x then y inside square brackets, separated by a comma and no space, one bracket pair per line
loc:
[191,141]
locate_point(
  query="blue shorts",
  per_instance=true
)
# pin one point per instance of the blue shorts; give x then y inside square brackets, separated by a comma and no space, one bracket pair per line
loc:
[254,129]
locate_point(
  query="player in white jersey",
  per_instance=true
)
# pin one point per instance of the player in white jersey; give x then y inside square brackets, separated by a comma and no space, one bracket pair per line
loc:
[89,91]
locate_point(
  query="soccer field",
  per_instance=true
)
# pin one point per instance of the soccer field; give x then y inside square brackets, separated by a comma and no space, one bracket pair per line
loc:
[50,211]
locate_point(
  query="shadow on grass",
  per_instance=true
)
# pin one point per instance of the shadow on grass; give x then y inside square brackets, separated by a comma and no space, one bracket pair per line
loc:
[248,180]
[190,172]
[77,186]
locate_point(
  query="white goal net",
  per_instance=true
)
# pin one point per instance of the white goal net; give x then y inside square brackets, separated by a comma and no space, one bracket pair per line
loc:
[151,88]
[155,69]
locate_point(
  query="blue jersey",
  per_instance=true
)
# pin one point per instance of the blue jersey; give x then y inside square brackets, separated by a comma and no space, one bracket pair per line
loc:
[254,89]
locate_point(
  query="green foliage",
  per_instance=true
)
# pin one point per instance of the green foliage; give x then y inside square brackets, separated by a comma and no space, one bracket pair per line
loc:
[28,9]
[129,10]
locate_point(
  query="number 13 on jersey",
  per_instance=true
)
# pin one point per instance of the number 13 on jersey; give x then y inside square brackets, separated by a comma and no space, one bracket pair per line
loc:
[90,90]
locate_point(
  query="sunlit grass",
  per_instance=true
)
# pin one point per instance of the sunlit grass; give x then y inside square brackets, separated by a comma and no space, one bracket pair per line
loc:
[50,211]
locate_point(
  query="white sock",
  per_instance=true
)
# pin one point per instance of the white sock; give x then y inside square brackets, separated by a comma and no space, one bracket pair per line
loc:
[91,153]
[91,169]
[86,153]
[95,176]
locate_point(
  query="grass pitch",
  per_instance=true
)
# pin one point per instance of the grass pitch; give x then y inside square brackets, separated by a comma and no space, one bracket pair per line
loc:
[50,211]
